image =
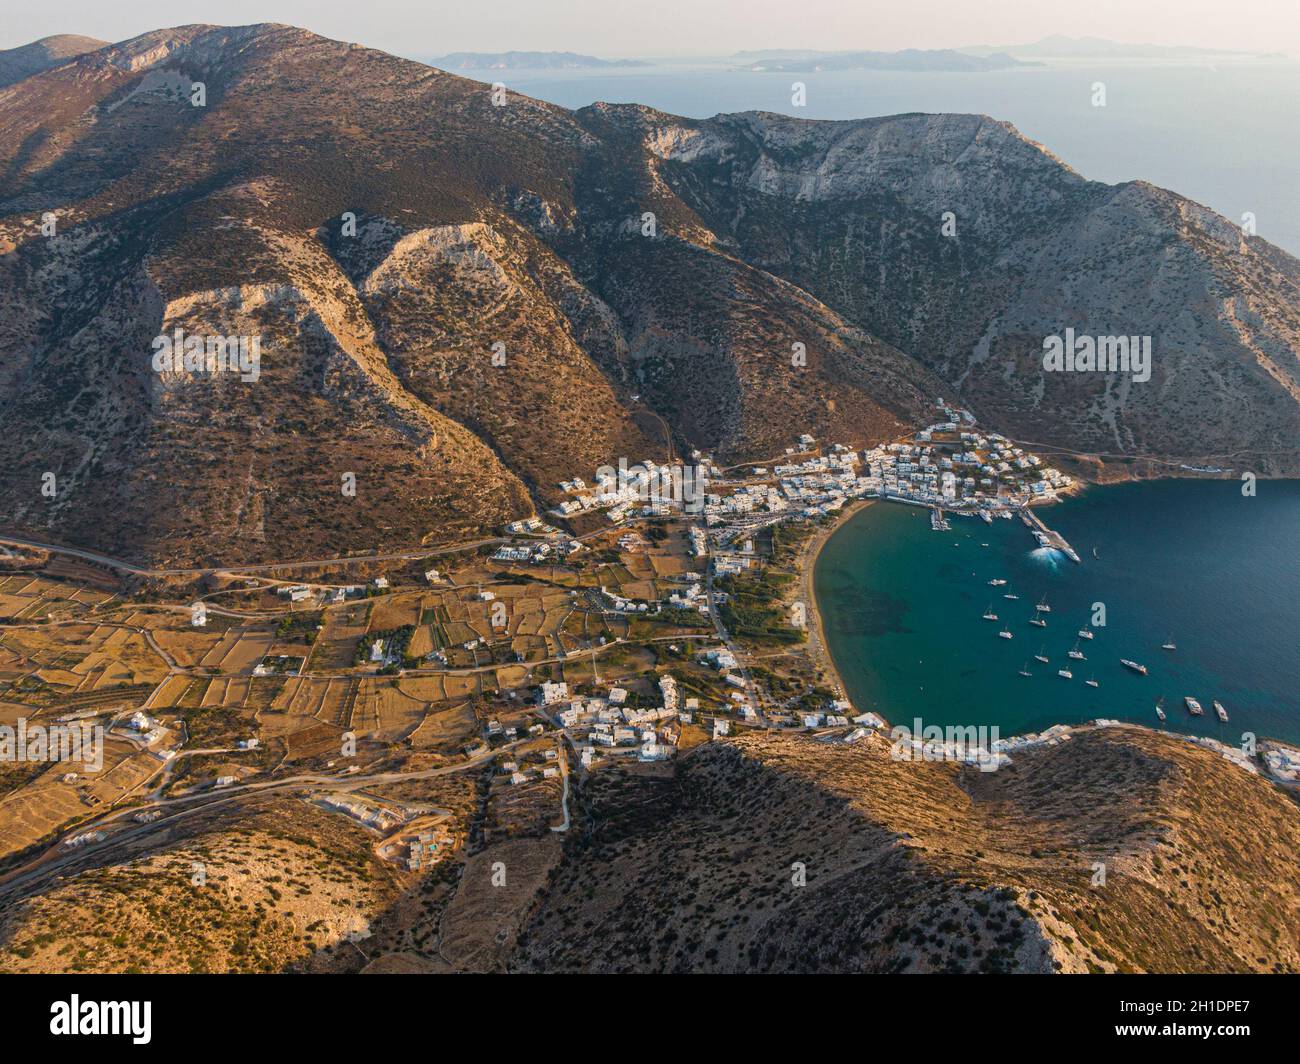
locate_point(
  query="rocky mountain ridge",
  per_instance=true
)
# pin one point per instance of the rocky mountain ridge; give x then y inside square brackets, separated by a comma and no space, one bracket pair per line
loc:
[647,284]
[48,52]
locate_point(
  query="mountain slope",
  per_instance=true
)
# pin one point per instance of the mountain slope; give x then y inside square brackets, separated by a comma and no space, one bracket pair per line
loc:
[29,59]
[388,232]
[926,866]
[461,210]
[853,212]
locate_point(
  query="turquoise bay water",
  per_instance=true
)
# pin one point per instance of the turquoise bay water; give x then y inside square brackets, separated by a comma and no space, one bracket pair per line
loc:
[902,607]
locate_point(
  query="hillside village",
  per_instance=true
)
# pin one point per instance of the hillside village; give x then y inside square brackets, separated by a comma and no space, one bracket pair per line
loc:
[441,704]
[951,467]
[379,670]
[950,464]
[681,561]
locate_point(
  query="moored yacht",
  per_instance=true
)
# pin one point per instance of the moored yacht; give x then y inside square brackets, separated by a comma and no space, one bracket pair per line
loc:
[1193,706]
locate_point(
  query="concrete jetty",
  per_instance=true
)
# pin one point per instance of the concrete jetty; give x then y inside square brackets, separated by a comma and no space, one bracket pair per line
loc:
[1045,536]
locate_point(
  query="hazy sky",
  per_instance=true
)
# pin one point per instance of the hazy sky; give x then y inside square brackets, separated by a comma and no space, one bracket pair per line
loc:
[670,27]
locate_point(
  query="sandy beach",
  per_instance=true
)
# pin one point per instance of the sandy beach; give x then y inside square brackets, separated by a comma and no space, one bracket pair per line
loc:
[818,652]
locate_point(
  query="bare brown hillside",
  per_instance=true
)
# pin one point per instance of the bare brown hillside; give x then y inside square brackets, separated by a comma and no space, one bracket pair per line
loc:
[929,867]
[461,303]
[29,59]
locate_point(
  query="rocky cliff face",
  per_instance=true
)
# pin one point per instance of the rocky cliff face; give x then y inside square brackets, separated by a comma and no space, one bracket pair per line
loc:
[959,241]
[457,301]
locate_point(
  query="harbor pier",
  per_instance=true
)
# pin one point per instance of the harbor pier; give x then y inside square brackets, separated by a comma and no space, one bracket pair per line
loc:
[1045,536]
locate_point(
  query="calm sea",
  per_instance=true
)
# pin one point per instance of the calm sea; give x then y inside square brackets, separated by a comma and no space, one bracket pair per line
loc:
[1220,573]
[1220,134]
